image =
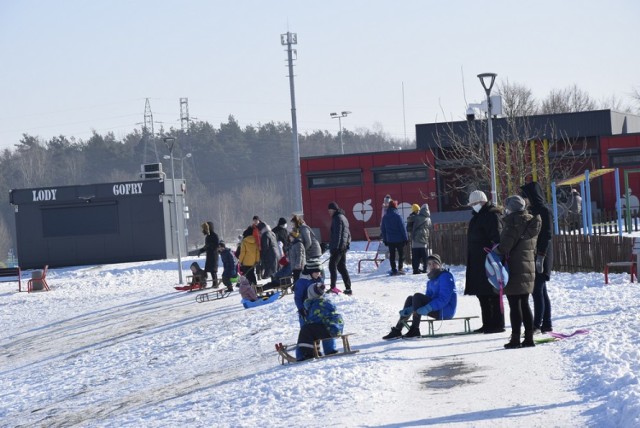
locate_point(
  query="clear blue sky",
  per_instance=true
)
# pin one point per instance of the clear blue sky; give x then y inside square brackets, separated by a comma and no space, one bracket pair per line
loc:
[72,66]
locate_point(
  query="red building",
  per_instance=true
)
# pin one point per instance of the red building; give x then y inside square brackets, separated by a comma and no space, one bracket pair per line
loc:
[358,184]
[622,152]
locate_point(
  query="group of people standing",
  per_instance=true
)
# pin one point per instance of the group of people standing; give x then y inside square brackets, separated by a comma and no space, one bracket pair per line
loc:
[521,235]
[398,235]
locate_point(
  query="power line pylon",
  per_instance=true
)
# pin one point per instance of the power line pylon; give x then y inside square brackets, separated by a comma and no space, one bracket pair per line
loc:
[184,114]
[148,133]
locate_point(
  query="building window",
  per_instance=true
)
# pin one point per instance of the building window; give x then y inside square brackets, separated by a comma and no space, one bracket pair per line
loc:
[335,179]
[625,157]
[399,175]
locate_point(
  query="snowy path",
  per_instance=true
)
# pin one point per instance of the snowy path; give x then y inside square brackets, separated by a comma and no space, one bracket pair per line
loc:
[117,346]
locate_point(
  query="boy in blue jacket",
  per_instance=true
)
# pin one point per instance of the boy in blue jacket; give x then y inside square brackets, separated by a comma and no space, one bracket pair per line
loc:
[439,300]
[321,321]
[229,265]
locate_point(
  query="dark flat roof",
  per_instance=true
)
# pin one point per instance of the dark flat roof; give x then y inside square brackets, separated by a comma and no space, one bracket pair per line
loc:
[597,123]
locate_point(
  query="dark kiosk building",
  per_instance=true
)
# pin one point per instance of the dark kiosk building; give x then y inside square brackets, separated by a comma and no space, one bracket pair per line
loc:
[98,223]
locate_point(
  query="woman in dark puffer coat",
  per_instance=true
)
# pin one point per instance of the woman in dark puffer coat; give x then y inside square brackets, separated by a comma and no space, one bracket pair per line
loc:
[518,244]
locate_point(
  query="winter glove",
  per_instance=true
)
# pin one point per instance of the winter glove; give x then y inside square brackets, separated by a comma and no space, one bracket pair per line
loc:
[385,243]
[302,312]
[539,263]
[424,310]
[406,312]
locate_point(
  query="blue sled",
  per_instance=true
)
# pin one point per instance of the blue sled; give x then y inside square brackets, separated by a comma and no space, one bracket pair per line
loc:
[249,304]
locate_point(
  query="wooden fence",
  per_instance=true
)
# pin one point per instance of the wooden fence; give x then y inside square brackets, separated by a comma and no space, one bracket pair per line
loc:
[571,252]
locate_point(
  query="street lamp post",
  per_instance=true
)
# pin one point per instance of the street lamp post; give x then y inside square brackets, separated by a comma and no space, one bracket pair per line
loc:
[339,117]
[187,156]
[491,78]
[170,142]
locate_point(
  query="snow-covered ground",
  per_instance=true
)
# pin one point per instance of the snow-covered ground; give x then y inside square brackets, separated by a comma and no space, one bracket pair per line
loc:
[118,346]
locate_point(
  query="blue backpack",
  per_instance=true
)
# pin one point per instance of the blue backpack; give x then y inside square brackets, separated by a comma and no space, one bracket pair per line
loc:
[497,272]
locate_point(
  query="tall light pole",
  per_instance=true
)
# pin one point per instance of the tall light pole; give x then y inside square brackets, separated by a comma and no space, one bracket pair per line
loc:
[170,142]
[287,40]
[487,80]
[339,117]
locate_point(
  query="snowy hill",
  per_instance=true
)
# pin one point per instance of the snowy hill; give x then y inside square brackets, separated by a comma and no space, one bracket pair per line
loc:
[114,346]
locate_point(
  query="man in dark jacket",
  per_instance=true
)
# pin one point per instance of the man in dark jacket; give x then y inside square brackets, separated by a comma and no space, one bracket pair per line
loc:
[338,247]
[532,192]
[394,235]
[483,232]
[282,234]
[269,251]
[211,249]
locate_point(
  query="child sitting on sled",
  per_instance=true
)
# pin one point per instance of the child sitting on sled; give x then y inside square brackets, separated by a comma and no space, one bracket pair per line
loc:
[199,276]
[439,300]
[321,321]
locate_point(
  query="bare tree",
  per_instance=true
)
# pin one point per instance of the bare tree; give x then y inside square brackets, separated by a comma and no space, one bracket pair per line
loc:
[522,152]
[568,100]
[616,104]
[517,100]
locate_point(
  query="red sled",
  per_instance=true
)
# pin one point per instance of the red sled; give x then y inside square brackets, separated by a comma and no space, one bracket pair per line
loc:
[193,287]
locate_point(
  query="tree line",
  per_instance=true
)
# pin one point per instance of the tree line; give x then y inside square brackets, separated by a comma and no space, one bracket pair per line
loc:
[233,173]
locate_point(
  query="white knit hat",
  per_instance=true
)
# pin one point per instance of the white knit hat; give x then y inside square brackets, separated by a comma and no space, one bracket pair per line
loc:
[477,196]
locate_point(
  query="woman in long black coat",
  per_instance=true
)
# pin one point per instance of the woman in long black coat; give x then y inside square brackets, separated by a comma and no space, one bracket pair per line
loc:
[483,232]
[211,242]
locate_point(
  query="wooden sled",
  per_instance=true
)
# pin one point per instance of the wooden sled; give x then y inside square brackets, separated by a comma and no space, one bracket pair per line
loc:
[285,357]
[218,294]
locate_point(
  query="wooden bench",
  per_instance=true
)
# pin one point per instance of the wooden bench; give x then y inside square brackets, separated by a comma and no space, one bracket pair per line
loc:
[431,331]
[632,264]
[378,258]
[13,273]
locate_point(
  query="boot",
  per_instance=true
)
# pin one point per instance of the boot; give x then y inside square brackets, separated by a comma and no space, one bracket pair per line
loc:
[514,343]
[528,340]
[395,333]
[412,333]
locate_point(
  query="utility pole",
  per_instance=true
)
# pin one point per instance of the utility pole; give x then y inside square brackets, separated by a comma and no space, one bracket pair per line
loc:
[287,40]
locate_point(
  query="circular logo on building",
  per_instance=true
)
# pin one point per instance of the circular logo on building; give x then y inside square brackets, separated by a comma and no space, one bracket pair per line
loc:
[363,210]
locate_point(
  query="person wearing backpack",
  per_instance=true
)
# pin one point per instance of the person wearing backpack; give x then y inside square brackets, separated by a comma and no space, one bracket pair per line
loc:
[229,265]
[439,301]
[322,321]
[518,244]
